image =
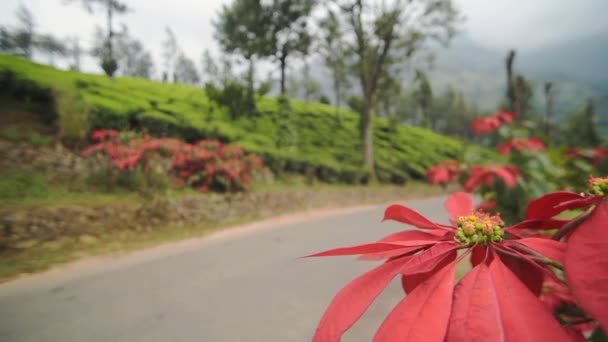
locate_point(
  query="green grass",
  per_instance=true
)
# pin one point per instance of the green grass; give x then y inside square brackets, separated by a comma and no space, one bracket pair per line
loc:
[327,142]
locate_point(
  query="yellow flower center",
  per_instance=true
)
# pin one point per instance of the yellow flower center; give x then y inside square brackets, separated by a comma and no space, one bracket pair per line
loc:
[598,186]
[479,228]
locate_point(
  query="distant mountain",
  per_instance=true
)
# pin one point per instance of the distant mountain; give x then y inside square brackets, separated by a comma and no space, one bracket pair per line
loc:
[577,68]
[584,60]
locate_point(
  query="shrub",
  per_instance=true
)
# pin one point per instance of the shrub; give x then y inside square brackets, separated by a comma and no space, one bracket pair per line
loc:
[17,184]
[13,134]
[140,162]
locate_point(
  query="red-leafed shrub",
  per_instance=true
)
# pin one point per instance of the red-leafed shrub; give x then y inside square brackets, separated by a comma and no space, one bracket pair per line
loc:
[206,165]
[522,173]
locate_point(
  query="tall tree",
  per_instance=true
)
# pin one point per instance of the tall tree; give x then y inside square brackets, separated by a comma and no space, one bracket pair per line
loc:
[130,55]
[510,82]
[211,71]
[23,37]
[185,70]
[383,34]
[289,30]
[75,52]
[242,28]
[51,47]
[333,50]
[424,98]
[549,98]
[170,52]
[111,7]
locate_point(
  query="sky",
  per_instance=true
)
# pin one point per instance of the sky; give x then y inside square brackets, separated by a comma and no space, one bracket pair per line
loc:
[497,24]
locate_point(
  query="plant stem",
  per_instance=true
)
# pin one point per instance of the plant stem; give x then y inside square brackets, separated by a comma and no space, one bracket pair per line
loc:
[568,227]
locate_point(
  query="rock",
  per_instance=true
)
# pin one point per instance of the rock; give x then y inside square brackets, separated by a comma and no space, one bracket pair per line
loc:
[26,244]
[87,239]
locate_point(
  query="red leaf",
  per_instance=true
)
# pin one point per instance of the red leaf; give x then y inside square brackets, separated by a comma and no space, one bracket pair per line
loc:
[544,207]
[527,273]
[552,249]
[352,301]
[429,259]
[391,254]
[424,314]
[476,310]
[586,264]
[374,247]
[411,281]
[414,235]
[459,204]
[523,315]
[406,215]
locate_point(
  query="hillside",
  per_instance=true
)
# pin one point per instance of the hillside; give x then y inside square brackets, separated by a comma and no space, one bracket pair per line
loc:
[324,142]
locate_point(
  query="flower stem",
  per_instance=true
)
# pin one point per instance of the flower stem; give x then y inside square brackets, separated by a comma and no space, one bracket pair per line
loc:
[568,227]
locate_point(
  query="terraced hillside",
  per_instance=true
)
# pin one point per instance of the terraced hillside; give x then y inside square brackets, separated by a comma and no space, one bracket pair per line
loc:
[324,142]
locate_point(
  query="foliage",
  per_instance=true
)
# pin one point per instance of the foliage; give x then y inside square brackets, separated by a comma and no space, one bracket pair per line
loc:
[233,96]
[16,184]
[328,142]
[13,134]
[500,297]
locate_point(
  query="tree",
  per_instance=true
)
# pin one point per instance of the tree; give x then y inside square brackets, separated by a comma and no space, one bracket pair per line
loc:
[170,52]
[289,31]
[549,97]
[51,47]
[108,60]
[242,28]
[383,34]
[424,98]
[333,50]
[75,52]
[23,37]
[130,55]
[211,71]
[185,70]
[582,127]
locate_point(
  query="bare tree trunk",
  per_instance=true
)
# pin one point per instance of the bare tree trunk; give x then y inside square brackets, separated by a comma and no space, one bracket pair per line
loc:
[250,82]
[110,32]
[283,61]
[367,137]
[510,85]
[548,108]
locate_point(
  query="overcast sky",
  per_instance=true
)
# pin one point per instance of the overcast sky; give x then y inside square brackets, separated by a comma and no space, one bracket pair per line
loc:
[501,24]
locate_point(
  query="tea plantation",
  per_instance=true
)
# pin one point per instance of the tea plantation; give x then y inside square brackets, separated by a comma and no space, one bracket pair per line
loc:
[310,138]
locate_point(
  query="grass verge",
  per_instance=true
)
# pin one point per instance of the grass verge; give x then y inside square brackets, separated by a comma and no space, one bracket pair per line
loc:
[43,256]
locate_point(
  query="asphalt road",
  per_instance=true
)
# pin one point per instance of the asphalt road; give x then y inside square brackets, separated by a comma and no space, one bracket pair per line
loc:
[249,286]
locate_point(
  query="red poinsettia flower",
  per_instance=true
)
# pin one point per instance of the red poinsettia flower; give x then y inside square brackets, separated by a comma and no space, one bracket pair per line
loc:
[593,156]
[586,258]
[104,134]
[520,144]
[506,117]
[485,175]
[444,172]
[487,206]
[488,124]
[554,203]
[507,274]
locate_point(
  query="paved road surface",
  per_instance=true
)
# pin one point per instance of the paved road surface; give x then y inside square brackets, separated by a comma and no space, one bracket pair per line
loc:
[250,287]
